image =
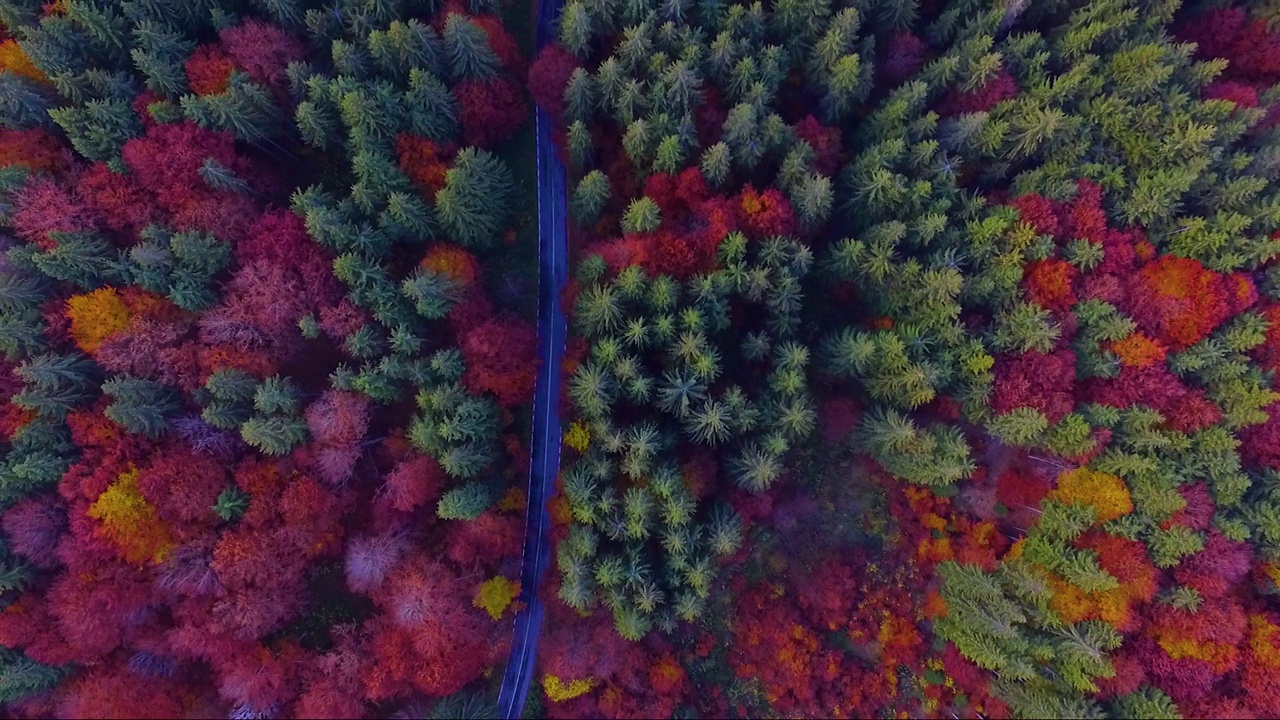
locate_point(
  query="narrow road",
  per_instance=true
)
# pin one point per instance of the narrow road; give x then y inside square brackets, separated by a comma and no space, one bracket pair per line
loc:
[553,273]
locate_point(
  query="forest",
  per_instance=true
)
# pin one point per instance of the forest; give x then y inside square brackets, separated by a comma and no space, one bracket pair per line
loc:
[923,359]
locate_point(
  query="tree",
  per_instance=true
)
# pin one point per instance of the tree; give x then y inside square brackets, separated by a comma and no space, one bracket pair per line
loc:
[140,406]
[590,197]
[467,48]
[466,502]
[642,216]
[474,203]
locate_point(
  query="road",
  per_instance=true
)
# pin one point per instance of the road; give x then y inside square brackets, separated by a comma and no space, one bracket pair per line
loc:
[553,273]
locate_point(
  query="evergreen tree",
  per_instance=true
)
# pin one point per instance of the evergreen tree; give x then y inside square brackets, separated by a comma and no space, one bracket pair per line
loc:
[474,204]
[140,406]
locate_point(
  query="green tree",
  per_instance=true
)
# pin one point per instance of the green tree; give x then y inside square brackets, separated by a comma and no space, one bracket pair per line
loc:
[474,204]
[140,406]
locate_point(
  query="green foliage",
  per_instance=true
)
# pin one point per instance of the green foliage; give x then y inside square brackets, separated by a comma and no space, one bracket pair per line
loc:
[140,406]
[936,455]
[642,216]
[465,502]
[231,504]
[99,128]
[55,384]
[21,677]
[474,204]
[458,429]
[274,434]
[181,266]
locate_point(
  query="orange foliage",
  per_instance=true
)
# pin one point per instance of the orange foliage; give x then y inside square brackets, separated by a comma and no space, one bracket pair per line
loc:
[15,61]
[935,606]
[1105,493]
[424,161]
[97,316]
[130,522]
[34,149]
[1048,284]
[1138,350]
[1069,602]
[666,676]
[1264,641]
[453,262]
[1180,301]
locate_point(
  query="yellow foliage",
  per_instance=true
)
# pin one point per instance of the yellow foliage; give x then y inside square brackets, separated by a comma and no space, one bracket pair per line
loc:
[578,437]
[130,522]
[96,316]
[15,61]
[1107,494]
[495,595]
[558,691]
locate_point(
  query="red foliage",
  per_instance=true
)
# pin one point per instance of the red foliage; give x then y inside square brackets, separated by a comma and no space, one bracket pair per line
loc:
[1253,52]
[1178,301]
[153,349]
[414,483]
[902,58]
[208,70]
[1243,96]
[280,237]
[35,149]
[995,90]
[338,417]
[765,215]
[1186,410]
[183,486]
[42,207]
[548,76]
[262,51]
[502,358]
[1197,514]
[1049,284]
[828,153]
[424,161]
[166,163]
[430,638]
[97,606]
[1034,379]
[117,693]
[490,110]
[1260,444]
[261,680]
[1038,212]
[1216,570]
[485,540]
[501,42]
[117,199]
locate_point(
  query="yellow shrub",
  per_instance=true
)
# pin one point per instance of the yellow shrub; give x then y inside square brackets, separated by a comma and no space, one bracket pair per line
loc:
[558,691]
[495,595]
[130,522]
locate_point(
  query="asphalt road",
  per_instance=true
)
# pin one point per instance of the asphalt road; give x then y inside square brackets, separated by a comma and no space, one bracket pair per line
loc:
[553,273]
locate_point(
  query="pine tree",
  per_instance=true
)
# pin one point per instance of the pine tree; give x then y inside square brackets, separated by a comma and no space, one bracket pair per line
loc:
[467,48]
[140,406]
[590,197]
[642,216]
[275,434]
[475,202]
[98,129]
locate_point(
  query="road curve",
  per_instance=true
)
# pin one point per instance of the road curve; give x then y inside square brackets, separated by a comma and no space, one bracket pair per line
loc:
[553,273]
